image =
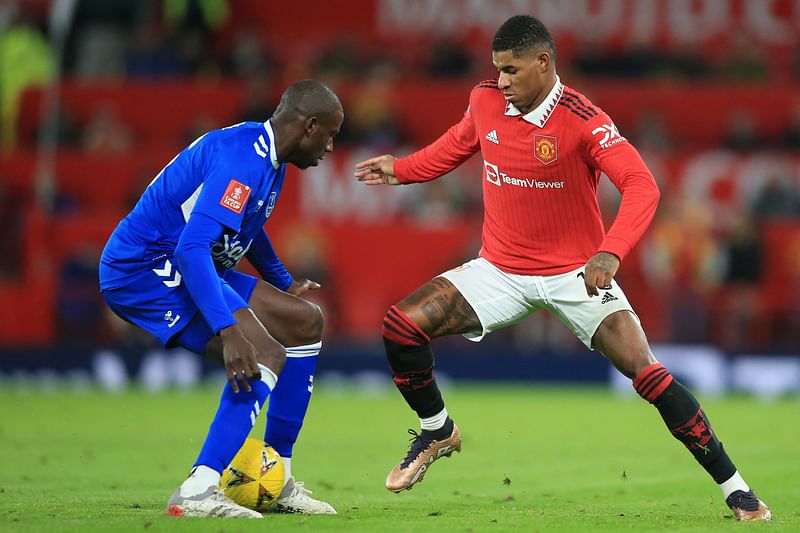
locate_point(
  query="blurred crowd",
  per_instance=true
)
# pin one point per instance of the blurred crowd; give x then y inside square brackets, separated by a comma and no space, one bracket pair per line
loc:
[134,40]
[702,265]
[130,40]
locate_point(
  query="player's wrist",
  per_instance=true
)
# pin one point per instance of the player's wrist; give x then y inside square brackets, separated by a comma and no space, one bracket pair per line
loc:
[230,331]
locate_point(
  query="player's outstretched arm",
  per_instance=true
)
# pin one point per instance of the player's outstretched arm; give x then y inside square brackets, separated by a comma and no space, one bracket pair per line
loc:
[377,171]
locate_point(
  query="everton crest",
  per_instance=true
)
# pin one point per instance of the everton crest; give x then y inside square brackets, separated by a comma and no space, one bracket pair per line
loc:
[545,148]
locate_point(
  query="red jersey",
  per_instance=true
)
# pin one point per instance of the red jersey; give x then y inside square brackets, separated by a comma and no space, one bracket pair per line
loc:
[540,176]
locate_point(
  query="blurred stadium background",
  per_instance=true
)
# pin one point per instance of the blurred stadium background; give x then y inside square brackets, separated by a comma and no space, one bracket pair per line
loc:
[96,96]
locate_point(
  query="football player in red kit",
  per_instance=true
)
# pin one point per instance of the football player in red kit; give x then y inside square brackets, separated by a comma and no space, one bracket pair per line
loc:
[544,146]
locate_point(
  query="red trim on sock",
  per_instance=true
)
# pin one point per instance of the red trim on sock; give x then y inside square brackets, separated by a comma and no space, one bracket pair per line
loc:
[399,328]
[651,397]
[395,322]
[410,323]
[652,381]
[394,336]
[637,381]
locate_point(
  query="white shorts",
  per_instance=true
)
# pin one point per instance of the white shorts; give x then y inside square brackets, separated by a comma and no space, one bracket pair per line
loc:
[501,299]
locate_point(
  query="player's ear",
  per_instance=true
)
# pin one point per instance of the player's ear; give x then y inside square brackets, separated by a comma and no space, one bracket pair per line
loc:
[545,59]
[311,125]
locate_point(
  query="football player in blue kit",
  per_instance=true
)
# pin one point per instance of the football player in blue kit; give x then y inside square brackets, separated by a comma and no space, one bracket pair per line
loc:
[168,269]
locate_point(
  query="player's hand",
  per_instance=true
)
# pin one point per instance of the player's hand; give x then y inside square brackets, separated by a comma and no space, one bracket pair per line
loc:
[299,287]
[599,272]
[239,356]
[377,171]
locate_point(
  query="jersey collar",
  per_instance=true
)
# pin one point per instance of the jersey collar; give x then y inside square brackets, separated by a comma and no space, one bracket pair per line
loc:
[539,116]
[273,153]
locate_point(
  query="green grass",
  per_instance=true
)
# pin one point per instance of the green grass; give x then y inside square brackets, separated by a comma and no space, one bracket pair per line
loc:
[534,459]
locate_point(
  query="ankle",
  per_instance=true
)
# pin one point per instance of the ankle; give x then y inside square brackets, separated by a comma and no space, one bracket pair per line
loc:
[733,484]
[442,433]
[201,478]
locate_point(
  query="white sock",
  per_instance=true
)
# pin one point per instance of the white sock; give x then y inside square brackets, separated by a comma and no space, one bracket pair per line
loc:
[199,480]
[435,422]
[287,469]
[268,376]
[734,483]
[307,350]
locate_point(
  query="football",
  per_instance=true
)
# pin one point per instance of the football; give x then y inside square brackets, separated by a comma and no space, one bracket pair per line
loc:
[254,478]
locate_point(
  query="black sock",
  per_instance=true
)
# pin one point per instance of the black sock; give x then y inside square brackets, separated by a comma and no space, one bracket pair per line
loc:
[685,419]
[442,433]
[412,371]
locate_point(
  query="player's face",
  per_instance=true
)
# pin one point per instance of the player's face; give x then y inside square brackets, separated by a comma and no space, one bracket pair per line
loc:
[318,140]
[522,79]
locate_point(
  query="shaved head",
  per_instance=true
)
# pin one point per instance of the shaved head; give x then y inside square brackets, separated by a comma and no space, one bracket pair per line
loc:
[309,98]
[307,119]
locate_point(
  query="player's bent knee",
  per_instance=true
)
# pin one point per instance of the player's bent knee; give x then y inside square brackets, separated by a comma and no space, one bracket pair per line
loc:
[310,324]
[621,339]
[408,351]
[400,329]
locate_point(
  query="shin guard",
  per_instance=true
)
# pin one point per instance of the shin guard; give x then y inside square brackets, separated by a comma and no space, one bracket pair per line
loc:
[685,419]
[411,359]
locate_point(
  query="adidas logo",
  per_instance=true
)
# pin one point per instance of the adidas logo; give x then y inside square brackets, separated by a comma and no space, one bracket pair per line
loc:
[492,137]
[608,297]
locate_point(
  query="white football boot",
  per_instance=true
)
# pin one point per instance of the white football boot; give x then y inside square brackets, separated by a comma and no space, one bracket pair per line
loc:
[210,503]
[295,498]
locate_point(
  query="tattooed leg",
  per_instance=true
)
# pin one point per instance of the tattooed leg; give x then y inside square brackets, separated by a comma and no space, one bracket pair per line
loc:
[433,310]
[439,309]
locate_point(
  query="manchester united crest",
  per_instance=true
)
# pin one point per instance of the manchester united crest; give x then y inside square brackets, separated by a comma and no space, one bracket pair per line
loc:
[545,148]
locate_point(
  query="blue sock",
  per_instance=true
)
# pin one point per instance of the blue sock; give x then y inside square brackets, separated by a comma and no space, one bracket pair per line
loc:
[235,417]
[289,401]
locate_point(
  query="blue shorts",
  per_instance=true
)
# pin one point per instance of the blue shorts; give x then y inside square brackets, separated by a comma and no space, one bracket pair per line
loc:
[169,313]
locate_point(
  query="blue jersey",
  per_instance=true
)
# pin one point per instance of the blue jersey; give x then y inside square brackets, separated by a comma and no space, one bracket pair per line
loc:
[231,175]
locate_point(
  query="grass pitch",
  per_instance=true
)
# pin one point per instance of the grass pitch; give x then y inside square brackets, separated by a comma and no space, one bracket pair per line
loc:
[534,459]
